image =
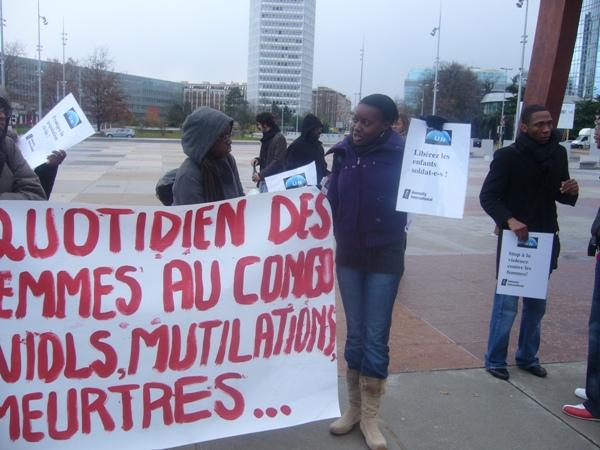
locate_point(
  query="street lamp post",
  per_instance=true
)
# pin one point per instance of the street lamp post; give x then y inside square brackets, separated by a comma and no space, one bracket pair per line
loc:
[423,86]
[64,45]
[362,59]
[437,30]
[502,121]
[41,19]
[523,42]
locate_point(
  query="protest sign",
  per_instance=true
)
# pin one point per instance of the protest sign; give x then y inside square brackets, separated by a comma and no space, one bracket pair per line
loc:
[524,267]
[291,179]
[567,116]
[62,128]
[151,327]
[435,170]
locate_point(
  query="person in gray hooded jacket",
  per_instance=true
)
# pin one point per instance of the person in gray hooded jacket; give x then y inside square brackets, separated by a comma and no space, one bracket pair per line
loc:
[209,173]
[17,179]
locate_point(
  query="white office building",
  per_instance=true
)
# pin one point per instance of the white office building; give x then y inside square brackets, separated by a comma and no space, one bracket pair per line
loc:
[280,54]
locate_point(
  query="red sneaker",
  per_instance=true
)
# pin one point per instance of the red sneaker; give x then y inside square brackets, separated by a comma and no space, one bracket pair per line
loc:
[579,412]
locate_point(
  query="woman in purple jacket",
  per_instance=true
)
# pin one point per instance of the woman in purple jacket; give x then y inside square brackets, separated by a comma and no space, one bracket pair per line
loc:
[371,240]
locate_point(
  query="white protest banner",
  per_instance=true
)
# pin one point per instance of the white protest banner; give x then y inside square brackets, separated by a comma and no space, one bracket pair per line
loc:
[147,327]
[435,170]
[291,179]
[567,116]
[525,266]
[62,128]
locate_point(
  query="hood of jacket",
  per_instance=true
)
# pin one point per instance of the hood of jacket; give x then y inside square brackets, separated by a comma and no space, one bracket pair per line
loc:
[201,130]
[309,123]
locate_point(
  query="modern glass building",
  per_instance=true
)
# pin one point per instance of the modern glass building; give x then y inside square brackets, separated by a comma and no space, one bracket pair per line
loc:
[415,84]
[584,77]
[280,54]
[140,93]
[495,79]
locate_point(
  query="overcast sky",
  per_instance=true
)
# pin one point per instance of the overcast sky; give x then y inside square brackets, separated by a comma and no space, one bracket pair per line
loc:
[207,40]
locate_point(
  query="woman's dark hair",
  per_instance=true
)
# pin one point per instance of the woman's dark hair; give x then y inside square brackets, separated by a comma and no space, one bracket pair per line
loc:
[529,110]
[212,185]
[266,118]
[384,104]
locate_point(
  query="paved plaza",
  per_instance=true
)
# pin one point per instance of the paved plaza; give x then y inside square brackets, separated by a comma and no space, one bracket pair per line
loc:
[439,396]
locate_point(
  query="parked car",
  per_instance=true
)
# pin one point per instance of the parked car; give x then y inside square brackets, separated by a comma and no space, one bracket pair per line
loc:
[119,132]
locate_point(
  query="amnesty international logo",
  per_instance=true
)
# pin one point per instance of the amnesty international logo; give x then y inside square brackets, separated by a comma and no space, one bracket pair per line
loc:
[406,193]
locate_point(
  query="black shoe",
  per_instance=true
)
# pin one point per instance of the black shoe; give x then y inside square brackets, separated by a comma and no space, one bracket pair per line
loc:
[538,371]
[499,373]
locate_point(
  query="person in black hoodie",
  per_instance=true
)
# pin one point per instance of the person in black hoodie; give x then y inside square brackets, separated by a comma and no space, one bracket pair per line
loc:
[520,192]
[17,179]
[273,145]
[307,148]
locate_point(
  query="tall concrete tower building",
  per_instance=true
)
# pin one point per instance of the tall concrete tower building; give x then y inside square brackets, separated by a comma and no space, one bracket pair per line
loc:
[280,54]
[584,77]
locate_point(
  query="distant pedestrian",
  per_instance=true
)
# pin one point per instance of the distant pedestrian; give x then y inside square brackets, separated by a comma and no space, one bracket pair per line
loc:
[590,408]
[17,180]
[209,173]
[307,148]
[401,125]
[520,192]
[273,146]
[370,244]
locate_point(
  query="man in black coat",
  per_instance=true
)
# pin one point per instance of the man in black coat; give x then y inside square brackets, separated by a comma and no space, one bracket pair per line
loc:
[272,150]
[520,192]
[307,148]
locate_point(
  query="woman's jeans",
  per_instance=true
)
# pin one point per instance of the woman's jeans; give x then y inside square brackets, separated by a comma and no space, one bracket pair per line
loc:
[592,381]
[503,315]
[368,299]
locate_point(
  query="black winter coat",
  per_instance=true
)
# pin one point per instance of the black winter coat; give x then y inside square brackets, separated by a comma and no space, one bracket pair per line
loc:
[305,150]
[519,186]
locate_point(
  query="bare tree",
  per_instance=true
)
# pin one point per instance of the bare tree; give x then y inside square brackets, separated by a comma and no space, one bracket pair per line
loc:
[102,94]
[459,93]
[12,52]
[487,85]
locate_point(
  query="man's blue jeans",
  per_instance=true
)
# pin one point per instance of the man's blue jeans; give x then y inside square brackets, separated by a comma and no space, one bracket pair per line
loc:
[368,299]
[503,315]
[592,381]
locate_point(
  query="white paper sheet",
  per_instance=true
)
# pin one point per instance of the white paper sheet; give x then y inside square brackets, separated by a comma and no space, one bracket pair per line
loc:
[435,170]
[291,179]
[525,266]
[62,128]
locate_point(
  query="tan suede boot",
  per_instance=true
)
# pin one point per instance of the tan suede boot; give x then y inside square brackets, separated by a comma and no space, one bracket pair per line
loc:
[352,415]
[371,389]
